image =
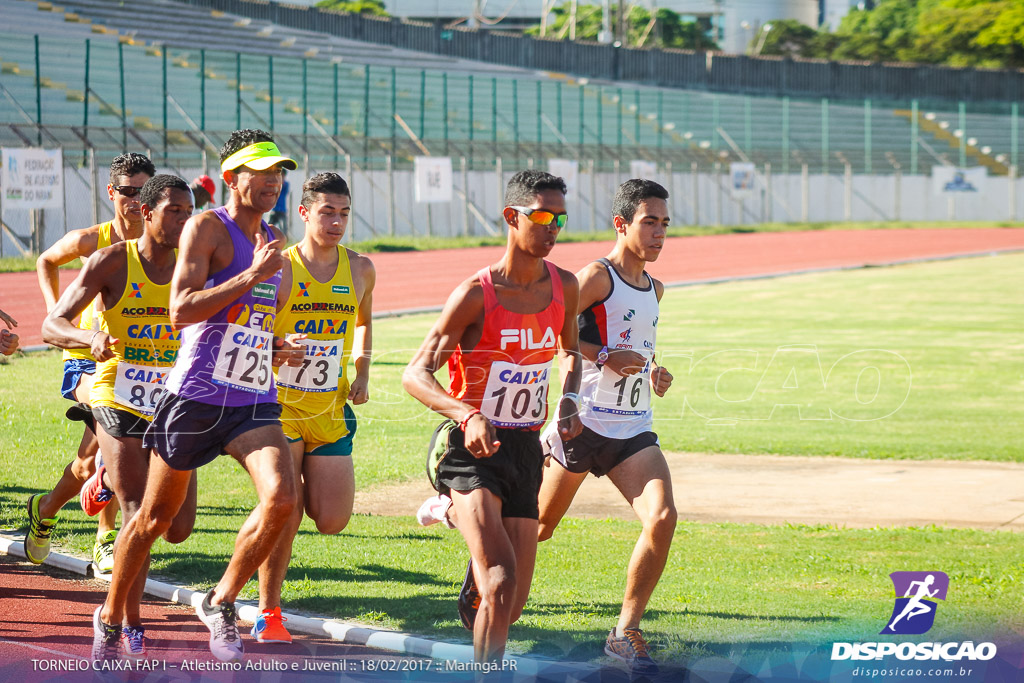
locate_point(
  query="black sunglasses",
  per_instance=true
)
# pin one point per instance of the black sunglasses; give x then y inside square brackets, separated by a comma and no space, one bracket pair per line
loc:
[127,190]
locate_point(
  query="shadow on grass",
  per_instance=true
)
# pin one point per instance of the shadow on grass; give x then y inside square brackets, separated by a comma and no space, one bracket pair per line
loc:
[197,568]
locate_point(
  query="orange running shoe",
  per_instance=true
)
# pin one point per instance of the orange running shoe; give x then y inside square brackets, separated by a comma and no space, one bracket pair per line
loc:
[269,627]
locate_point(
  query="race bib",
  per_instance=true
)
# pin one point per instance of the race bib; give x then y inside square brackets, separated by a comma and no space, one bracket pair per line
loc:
[320,368]
[618,395]
[244,361]
[139,386]
[516,395]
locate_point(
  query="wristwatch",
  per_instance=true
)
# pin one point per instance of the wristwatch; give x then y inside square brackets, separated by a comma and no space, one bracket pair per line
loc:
[602,357]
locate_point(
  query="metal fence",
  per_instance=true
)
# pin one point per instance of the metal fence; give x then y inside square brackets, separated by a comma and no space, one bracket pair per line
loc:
[671,68]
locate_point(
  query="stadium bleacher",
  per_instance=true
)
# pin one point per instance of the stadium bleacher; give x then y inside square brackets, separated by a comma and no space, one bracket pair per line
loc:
[325,93]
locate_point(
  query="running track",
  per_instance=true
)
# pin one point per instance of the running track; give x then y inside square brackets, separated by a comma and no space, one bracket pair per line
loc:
[412,280]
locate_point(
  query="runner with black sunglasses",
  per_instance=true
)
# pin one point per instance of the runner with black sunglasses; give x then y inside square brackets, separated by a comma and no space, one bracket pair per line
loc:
[128,173]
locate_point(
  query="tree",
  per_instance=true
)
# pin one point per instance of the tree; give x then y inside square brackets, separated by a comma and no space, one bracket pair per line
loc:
[788,38]
[668,31]
[373,7]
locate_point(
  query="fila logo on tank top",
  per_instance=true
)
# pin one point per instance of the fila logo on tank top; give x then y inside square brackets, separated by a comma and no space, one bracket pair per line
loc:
[507,374]
[612,405]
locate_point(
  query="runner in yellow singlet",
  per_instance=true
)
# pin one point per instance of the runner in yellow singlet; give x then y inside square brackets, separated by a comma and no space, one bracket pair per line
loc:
[326,294]
[135,347]
[128,173]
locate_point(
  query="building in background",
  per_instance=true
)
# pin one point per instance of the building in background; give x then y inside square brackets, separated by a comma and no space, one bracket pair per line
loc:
[737,23]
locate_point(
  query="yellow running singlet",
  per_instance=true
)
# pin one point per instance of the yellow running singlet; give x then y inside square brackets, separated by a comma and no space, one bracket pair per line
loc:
[146,345]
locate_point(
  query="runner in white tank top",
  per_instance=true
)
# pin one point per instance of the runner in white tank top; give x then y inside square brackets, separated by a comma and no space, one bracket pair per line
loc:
[618,323]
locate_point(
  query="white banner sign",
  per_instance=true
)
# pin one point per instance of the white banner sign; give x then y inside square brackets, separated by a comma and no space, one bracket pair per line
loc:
[433,179]
[949,180]
[743,177]
[32,178]
[566,169]
[639,168]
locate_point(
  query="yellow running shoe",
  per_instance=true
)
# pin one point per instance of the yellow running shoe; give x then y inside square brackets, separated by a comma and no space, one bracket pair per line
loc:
[103,553]
[37,540]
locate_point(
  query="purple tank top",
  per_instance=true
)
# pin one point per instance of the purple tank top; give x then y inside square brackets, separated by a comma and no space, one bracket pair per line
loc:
[226,360]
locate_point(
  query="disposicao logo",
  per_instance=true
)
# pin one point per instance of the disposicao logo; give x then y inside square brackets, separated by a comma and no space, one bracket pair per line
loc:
[916,595]
[913,613]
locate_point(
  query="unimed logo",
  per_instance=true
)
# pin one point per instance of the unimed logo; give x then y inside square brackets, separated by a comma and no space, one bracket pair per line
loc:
[913,613]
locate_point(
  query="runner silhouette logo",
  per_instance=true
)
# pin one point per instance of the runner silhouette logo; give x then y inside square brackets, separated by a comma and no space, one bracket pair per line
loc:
[916,596]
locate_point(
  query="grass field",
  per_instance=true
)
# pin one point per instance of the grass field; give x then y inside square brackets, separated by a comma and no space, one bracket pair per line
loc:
[13,264]
[753,363]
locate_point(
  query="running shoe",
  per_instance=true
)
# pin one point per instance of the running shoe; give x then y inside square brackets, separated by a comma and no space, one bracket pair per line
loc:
[434,510]
[269,627]
[225,642]
[94,496]
[469,599]
[631,648]
[37,540]
[103,553]
[133,641]
[105,639]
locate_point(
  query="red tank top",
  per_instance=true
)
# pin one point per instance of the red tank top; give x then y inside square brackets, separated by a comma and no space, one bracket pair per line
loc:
[506,375]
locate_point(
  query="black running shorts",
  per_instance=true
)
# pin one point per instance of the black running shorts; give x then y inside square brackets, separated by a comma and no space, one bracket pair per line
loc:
[120,424]
[513,474]
[189,434]
[591,452]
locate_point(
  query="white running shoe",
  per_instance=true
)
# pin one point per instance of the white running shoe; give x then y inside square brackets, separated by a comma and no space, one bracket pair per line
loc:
[434,510]
[225,642]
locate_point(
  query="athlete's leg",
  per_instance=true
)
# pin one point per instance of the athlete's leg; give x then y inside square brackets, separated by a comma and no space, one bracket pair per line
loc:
[645,481]
[265,455]
[557,490]
[522,532]
[127,466]
[494,568]
[166,490]
[183,522]
[330,489]
[107,517]
[274,568]
[71,481]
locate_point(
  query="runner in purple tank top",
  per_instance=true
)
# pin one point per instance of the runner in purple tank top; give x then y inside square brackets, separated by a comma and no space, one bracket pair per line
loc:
[220,395]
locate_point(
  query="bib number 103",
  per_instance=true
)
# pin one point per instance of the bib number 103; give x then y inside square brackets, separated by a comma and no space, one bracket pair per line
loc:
[516,395]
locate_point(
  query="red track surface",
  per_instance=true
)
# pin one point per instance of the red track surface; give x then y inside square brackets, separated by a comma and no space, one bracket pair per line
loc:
[48,616]
[422,279]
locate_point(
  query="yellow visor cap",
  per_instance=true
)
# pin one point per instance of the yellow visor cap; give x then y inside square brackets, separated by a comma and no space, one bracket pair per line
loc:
[259,157]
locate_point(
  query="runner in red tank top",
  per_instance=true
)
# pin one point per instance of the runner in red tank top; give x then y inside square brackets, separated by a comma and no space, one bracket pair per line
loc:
[498,333]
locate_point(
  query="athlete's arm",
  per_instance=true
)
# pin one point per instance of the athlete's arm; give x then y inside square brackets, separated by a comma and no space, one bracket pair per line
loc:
[595,285]
[464,309]
[287,350]
[661,379]
[73,245]
[203,235]
[362,343]
[570,362]
[107,267]
[8,340]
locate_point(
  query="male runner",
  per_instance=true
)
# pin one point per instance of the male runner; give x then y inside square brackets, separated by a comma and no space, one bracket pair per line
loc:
[128,173]
[618,322]
[326,294]
[498,333]
[135,347]
[221,396]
